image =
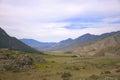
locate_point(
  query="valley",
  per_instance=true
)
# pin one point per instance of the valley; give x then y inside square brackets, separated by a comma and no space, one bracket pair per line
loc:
[59,39]
[61,66]
[88,57]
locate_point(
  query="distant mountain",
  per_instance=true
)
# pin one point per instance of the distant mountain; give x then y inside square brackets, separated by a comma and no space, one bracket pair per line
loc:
[87,44]
[60,45]
[36,44]
[86,39]
[12,43]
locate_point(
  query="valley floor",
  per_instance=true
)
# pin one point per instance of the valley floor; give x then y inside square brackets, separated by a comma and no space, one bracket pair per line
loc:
[68,67]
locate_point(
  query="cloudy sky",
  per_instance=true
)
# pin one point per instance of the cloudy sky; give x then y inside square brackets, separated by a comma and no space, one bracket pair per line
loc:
[55,20]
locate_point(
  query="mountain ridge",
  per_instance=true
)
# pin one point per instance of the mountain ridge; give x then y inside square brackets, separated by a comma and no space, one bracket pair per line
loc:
[82,40]
[37,44]
[107,46]
[75,45]
[13,43]
[87,44]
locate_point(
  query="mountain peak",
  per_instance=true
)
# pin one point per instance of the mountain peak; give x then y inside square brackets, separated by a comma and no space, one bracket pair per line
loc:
[88,34]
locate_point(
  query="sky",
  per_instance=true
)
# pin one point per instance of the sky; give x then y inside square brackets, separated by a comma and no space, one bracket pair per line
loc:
[56,20]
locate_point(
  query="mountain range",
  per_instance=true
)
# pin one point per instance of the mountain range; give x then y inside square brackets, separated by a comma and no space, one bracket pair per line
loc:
[82,40]
[12,43]
[87,44]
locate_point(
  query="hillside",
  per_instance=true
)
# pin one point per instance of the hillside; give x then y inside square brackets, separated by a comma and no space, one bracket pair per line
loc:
[86,39]
[108,46]
[13,43]
[87,44]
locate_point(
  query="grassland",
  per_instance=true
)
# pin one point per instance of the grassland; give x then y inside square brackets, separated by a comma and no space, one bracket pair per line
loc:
[77,68]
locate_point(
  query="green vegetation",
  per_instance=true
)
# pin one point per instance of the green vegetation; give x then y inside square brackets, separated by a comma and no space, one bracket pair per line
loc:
[59,67]
[66,75]
[16,61]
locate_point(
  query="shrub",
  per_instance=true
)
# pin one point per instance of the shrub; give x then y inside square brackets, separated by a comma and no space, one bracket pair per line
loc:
[118,70]
[94,77]
[72,68]
[52,61]
[8,68]
[76,68]
[11,68]
[74,56]
[44,79]
[66,75]
[106,72]
[15,69]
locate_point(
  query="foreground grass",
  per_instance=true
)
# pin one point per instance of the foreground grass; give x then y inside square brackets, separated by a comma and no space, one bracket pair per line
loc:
[80,68]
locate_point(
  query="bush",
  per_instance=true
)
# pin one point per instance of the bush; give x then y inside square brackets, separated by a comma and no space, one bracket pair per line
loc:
[95,77]
[66,75]
[76,68]
[118,70]
[16,69]
[72,68]
[44,79]
[8,68]
[11,68]
[74,56]
[52,61]
[106,72]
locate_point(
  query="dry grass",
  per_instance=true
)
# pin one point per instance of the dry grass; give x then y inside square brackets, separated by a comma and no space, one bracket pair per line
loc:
[80,68]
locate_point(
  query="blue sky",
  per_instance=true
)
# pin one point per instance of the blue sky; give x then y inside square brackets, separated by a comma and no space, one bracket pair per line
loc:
[56,20]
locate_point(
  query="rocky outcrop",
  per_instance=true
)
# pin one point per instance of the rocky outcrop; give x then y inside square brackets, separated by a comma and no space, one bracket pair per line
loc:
[12,60]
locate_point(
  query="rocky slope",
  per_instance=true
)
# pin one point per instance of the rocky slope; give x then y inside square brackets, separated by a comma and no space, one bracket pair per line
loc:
[16,60]
[108,46]
[72,44]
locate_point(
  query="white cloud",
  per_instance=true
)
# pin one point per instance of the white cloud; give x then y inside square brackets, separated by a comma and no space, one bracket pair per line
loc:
[44,20]
[57,9]
[51,33]
[112,19]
